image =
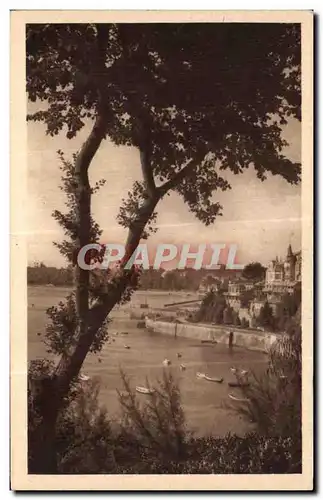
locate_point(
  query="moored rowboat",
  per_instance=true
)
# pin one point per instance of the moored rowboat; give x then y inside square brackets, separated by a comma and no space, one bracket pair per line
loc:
[241,400]
[210,379]
[238,384]
[213,379]
[144,390]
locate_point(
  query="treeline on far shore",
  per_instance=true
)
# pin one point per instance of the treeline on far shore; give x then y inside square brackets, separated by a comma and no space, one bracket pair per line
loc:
[150,279]
[40,274]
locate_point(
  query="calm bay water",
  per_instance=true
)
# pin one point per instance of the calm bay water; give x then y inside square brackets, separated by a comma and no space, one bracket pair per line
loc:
[205,403]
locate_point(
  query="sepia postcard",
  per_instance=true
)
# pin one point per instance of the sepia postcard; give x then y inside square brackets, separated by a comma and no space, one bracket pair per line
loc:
[162,250]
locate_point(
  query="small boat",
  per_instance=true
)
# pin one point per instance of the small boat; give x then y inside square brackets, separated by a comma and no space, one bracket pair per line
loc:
[214,379]
[243,373]
[200,375]
[166,362]
[126,346]
[144,390]
[182,367]
[238,384]
[179,355]
[208,341]
[83,378]
[124,333]
[241,400]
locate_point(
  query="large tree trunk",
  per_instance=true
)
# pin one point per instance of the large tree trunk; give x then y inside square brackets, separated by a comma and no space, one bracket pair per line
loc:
[91,319]
[42,442]
[44,461]
[70,364]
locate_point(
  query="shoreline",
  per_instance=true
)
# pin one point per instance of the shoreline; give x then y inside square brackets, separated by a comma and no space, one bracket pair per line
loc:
[252,340]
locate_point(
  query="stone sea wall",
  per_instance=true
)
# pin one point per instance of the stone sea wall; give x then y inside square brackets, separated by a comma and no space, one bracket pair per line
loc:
[137,313]
[254,340]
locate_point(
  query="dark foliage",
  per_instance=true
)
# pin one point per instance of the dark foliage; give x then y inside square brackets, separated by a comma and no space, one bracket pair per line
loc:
[266,317]
[153,438]
[195,100]
[273,401]
[217,94]
[254,271]
[83,434]
[212,308]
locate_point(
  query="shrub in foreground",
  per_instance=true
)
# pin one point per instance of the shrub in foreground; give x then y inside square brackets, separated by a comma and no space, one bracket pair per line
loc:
[153,438]
[83,434]
[232,454]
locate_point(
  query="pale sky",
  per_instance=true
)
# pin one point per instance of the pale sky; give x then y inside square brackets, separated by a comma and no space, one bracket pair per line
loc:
[262,218]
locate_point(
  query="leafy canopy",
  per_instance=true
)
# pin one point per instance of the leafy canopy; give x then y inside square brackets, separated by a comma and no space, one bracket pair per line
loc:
[215,93]
[254,271]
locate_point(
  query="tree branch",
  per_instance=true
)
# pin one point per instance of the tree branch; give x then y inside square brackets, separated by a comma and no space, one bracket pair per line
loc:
[69,365]
[143,124]
[147,171]
[83,214]
[91,145]
[179,176]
